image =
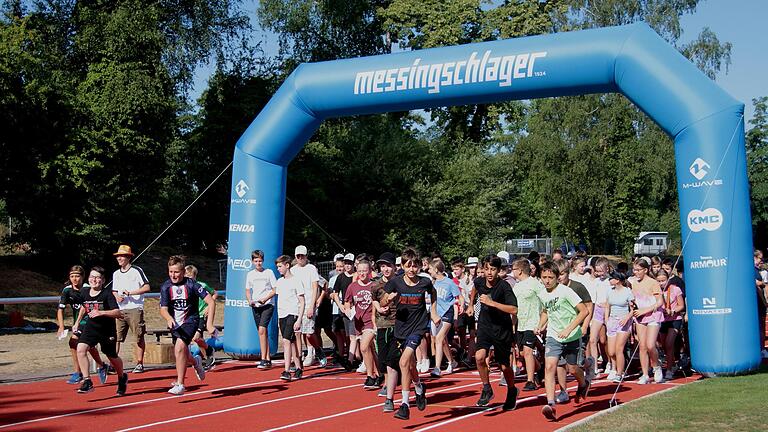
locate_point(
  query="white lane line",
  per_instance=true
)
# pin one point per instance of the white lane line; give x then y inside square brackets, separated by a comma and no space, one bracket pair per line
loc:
[361,409]
[238,408]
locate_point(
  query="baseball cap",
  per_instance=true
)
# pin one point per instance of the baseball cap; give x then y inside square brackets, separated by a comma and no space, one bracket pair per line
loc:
[504,262]
[300,250]
[338,257]
[386,257]
[349,257]
[472,262]
[503,255]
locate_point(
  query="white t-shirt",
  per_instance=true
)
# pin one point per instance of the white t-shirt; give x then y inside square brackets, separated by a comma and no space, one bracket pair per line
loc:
[129,280]
[307,275]
[288,292]
[260,283]
[602,288]
[334,306]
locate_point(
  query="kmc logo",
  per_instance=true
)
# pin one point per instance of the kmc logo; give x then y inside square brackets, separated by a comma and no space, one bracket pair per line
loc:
[710,219]
[699,168]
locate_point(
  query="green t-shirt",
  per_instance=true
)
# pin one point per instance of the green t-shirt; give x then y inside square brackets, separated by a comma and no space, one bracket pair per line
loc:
[528,303]
[561,310]
[202,305]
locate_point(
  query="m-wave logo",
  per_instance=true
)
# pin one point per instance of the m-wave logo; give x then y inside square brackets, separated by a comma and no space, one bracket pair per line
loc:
[709,219]
[699,168]
[241,188]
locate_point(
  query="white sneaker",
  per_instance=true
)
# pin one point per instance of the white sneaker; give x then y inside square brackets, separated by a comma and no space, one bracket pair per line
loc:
[309,359]
[611,375]
[669,375]
[361,369]
[451,366]
[199,371]
[436,372]
[658,376]
[177,389]
[608,367]
[643,380]
[420,366]
[616,378]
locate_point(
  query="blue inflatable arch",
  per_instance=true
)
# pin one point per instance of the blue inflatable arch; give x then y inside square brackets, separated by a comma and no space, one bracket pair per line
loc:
[706,123]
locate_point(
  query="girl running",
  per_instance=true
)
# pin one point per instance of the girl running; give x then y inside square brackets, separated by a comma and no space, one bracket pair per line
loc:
[648,317]
[602,285]
[674,305]
[447,296]
[619,322]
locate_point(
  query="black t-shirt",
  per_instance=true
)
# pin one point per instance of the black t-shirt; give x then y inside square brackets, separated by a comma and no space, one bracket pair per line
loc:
[341,284]
[494,321]
[102,301]
[580,290]
[412,316]
[73,297]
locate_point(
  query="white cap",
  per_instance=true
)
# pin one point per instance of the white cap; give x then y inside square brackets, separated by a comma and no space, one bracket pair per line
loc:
[398,260]
[300,250]
[349,257]
[472,261]
[338,257]
[503,255]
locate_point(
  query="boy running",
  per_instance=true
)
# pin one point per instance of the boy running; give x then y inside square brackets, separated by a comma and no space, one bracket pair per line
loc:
[182,295]
[562,316]
[497,302]
[102,309]
[527,291]
[206,351]
[411,323]
[290,306]
[259,290]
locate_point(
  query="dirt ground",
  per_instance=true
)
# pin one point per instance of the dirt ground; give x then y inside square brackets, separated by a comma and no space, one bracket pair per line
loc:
[38,356]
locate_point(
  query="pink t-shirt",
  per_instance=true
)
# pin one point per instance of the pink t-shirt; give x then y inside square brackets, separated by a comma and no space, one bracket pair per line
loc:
[360,296]
[643,292]
[671,296]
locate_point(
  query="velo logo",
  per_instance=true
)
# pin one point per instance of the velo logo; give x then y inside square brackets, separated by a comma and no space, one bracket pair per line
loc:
[699,168]
[709,219]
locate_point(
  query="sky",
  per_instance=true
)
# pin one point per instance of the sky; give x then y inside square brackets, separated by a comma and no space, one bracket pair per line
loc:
[740,22]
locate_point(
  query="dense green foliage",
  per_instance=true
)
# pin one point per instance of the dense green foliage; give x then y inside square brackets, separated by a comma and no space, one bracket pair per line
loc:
[100,145]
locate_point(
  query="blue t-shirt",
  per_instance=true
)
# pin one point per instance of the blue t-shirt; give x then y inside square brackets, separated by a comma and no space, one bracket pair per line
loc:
[182,299]
[447,293]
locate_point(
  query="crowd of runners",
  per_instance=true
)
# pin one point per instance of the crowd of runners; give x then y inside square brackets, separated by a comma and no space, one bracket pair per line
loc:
[398,318]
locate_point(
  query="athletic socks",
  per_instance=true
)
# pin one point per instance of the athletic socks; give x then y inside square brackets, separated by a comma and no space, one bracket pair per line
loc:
[406,395]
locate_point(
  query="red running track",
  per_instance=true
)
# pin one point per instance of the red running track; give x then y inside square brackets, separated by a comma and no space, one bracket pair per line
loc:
[237,396]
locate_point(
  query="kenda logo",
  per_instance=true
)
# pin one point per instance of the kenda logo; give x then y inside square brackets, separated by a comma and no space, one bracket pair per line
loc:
[244,228]
[239,264]
[237,303]
[241,189]
[708,262]
[699,169]
[501,69]
[709,219]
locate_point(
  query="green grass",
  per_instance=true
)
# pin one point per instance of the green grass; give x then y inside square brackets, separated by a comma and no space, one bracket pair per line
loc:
[732,404]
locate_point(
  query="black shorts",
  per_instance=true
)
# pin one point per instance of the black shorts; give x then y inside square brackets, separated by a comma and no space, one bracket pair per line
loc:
[337,323]
[185,331]
[676,324]
[413,341]
[526,339]
[324,318]
[502,345]
[107,342]
[386,344]
[466,321]
[286,327]
[262,315]
[202,325]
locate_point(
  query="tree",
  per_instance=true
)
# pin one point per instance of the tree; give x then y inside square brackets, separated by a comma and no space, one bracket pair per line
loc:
[757,168]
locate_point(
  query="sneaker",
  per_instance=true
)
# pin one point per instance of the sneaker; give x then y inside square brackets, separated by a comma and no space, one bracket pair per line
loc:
[209,363]
[589,368]
[268,364]
[209,352]
[435,372]
[389,405]
[298,374]
[308,360]
[510,402]
[261,364]
[323,361]
[77,378]
[199,371]
[670,373]
[111,370]
[643,380]
[421,399]
[764,353]
[611,376]
[292,369]
[361,369]
[617,379]
[380,381]
[529,386]
[383,393]
[370,383]
[422,366]
[177,389]
[451,367]
[485,396]
[102,372]
[562,397]
[403,413]
[608,367]
[86,386]
[346,364]
[503,381]
[122,384]
[285,376]
[582,391]
[139,368]
[658,376]
[549,412]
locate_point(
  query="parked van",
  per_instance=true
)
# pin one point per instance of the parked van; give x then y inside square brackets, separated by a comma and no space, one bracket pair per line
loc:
[651,243]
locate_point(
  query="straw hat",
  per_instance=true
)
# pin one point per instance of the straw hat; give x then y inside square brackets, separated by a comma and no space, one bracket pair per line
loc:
[123,250]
